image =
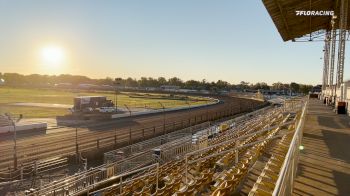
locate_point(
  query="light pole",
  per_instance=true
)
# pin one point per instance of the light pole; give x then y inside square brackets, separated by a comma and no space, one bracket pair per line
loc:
[14,137]
[207,107]
[117,82]
[128,109]
[116,100]
[164,131]
[189,114]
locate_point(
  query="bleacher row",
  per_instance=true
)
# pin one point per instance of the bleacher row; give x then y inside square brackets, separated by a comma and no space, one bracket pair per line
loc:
[266,182]
[219,174]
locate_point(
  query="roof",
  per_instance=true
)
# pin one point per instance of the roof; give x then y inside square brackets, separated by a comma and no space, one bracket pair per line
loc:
[292,26]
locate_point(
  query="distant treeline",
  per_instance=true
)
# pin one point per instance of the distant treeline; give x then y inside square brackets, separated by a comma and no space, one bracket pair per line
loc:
[37,80]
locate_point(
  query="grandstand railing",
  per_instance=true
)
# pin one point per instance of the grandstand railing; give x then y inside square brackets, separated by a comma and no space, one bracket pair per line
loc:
[285,182]
[114,155]
[136,156]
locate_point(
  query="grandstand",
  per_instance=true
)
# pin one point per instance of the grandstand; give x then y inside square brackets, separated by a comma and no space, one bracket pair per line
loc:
[331,29]
[211,163]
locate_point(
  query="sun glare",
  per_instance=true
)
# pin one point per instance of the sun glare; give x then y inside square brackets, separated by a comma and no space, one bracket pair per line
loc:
[52,56]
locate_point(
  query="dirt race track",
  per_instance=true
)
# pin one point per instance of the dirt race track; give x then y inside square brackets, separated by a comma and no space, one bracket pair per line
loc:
[67,141]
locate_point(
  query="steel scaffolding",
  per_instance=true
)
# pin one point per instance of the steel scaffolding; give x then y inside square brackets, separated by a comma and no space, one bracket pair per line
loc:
[326,59]
[333,46]
[342,40]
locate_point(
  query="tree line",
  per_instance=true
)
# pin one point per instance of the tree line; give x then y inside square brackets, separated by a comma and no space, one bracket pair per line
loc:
[37,80]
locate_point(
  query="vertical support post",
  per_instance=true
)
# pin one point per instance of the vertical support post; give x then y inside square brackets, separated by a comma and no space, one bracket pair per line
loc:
[342,40]
[76,144]
[326,59]
[157,176]
[14,138]
[332,53]
[115,137]
[236,152]
[21,172]
[121,184]
[163,107]
[130,139]
[15,146]
[207,110]
[186,169]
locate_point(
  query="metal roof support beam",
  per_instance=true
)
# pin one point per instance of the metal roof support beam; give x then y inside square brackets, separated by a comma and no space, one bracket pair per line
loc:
[283,18]
[332,54]
[326,59]
[342,41]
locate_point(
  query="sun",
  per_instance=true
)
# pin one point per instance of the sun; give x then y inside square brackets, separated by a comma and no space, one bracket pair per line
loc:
[52,56]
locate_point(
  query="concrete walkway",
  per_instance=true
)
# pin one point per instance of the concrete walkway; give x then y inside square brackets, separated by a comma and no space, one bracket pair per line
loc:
[324,166]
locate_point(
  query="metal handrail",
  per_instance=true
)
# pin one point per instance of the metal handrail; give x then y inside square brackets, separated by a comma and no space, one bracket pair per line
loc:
[289,167]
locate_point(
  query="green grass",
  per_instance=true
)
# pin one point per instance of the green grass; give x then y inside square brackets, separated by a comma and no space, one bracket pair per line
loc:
[10,96]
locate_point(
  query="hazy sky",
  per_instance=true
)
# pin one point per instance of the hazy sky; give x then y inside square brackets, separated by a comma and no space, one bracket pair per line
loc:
[191,39]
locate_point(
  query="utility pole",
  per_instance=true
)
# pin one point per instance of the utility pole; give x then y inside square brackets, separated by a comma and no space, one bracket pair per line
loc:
[207,107]
[117,82]
[13,122]
[128,109]
[189,114]
[164,131]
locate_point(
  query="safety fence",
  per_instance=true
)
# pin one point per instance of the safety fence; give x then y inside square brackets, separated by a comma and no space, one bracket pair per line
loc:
[173,154]
[75,141]
[285,182]
[161,149]
[121,153]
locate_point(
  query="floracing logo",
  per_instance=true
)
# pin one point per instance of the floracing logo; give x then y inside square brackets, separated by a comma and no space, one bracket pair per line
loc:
[314,13]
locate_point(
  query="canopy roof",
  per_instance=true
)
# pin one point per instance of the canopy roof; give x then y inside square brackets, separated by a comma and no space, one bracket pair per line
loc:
[291,26]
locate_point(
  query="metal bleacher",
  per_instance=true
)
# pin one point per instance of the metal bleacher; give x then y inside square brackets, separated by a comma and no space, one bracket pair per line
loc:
[212,163]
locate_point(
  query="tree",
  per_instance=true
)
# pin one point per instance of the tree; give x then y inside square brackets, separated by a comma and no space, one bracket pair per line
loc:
[129,82]
[175,81]
[294,87]
[305,89]
[244,85]
[162,81]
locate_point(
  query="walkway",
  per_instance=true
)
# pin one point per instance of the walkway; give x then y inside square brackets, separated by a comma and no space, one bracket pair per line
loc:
[324,167]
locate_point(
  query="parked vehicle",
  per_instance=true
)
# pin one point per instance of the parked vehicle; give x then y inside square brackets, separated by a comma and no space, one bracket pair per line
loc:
[106,109]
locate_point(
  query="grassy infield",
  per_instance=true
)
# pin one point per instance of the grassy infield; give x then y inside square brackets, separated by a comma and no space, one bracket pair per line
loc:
[9,96]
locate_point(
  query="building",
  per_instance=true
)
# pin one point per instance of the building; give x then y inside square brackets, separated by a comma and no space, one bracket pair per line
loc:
[83,103]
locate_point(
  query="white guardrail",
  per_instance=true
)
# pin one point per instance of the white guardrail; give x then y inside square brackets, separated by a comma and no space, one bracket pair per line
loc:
[285,182]
[23,127]
[214,101]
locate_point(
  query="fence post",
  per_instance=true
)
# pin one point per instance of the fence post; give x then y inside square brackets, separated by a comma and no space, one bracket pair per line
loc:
[130,139]
[154,130]
[115,136]
[21,172]
[76,145]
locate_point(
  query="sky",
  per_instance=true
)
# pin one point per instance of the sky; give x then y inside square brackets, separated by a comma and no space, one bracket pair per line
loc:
[190,39]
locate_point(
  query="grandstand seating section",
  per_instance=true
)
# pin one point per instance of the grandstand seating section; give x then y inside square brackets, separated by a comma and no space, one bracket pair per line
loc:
[215,170]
